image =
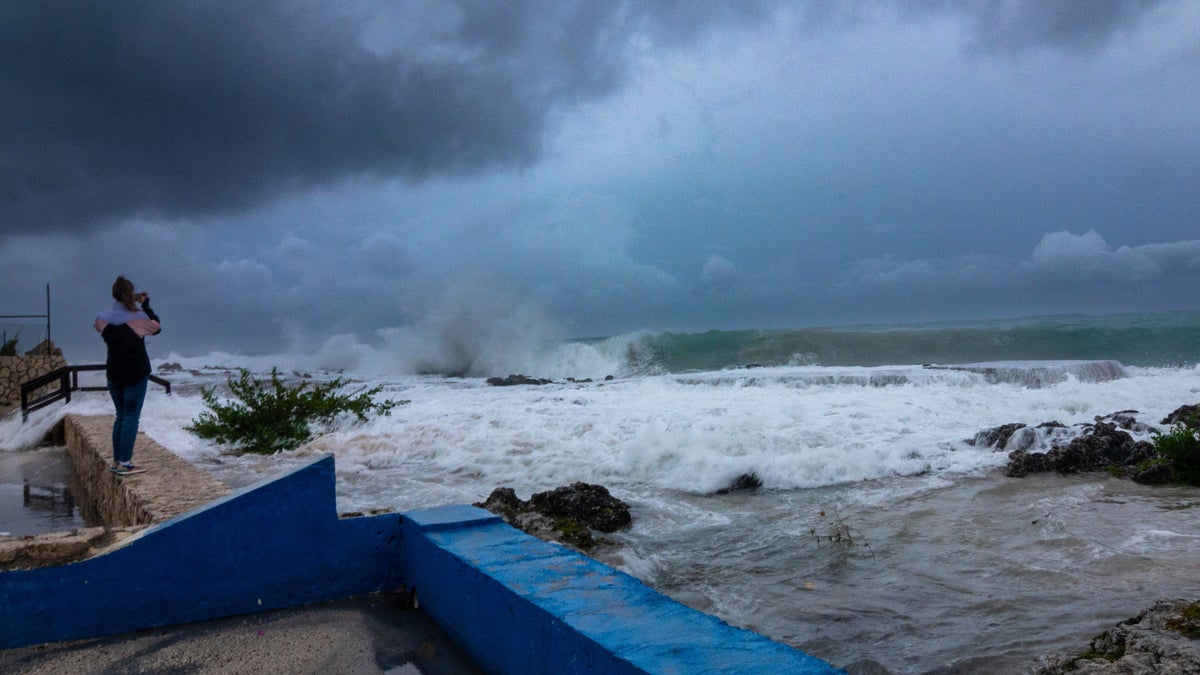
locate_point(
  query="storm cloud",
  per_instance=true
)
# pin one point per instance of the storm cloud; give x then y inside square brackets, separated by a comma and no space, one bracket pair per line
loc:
[1020,24]
[281,174]
[178,108]
[147,108]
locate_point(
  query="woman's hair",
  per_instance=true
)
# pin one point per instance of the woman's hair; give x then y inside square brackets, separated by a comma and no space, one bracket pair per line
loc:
[123,293]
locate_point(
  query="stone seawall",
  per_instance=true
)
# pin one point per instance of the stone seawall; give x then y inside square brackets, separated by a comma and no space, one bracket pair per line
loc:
[118,505]
[14,370]
[169,487]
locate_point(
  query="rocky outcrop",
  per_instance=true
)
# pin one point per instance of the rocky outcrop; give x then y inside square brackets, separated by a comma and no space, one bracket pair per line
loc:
[514,380]
[1164,639]
[1182,415]
[591,505]
[1102,445]
[566,514]
[1015,436]
[1105,444]
[996,437]
[743,483]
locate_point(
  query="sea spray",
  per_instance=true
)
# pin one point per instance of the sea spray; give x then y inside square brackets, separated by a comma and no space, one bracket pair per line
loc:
[523,340]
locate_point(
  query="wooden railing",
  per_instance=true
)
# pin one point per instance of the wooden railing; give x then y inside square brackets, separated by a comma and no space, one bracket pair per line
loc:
[68,381]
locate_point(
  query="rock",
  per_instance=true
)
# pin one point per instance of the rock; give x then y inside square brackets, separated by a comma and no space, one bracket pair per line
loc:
[1163,639]
[1152,473]
[10,548]
[1101,446]
[1122,418]
[1182,414]
[1071,458]
[1024,439]
[1143,451]
[503,502]
[1014,436]
[542,527]
[590,505]
[996,437]
[1108,446]
[566,514]
[1125,420]
[51,548]
[746,481]
[1021,463]
[514,380]
[866,667]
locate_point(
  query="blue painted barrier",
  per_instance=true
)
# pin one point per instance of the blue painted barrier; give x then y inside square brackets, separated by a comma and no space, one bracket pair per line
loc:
[275,544]
[516,604]
[519,605]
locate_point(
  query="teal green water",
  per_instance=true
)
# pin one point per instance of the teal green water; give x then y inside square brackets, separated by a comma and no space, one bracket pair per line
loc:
[1158,339]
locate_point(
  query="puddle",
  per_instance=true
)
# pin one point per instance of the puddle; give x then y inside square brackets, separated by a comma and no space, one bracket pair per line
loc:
[36,492]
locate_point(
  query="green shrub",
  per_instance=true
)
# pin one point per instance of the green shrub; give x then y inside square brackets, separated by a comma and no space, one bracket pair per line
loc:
[1181,445]
[270,417]
[1188,622]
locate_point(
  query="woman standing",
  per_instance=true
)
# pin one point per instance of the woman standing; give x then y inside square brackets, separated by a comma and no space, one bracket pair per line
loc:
[124,328]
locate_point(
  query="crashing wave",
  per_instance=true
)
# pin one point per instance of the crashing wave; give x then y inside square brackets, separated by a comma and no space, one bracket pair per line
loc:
[823,377]
[1035,374]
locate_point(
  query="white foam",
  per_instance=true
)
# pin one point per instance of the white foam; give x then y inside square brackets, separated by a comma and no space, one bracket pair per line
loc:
[459,438]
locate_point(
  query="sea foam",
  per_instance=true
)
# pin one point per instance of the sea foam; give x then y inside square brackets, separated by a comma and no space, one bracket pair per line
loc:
[791,427]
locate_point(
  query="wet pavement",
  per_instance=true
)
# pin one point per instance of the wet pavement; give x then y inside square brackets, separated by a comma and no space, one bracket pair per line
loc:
[36,495]
[366,635]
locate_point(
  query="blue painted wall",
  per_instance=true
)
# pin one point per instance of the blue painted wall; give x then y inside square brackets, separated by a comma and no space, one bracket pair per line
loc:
[520,605]
[515,603]
[272,545]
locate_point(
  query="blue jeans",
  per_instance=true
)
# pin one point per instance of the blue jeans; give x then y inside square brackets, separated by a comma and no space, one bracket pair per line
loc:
[128,399]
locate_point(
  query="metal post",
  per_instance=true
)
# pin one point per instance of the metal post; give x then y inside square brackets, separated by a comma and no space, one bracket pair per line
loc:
[47,315]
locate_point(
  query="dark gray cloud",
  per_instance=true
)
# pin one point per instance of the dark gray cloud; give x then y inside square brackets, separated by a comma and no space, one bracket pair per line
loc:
[1014,25]
[173,108]
[192,107]
[139,107]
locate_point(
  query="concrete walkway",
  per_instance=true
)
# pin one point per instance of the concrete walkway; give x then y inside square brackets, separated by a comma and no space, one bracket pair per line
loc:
[359,636]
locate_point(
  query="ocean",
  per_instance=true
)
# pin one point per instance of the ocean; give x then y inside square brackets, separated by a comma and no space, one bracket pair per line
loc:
[880,532]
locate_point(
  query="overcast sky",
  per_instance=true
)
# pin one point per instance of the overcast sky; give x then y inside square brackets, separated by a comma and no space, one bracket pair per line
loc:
[280,174]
